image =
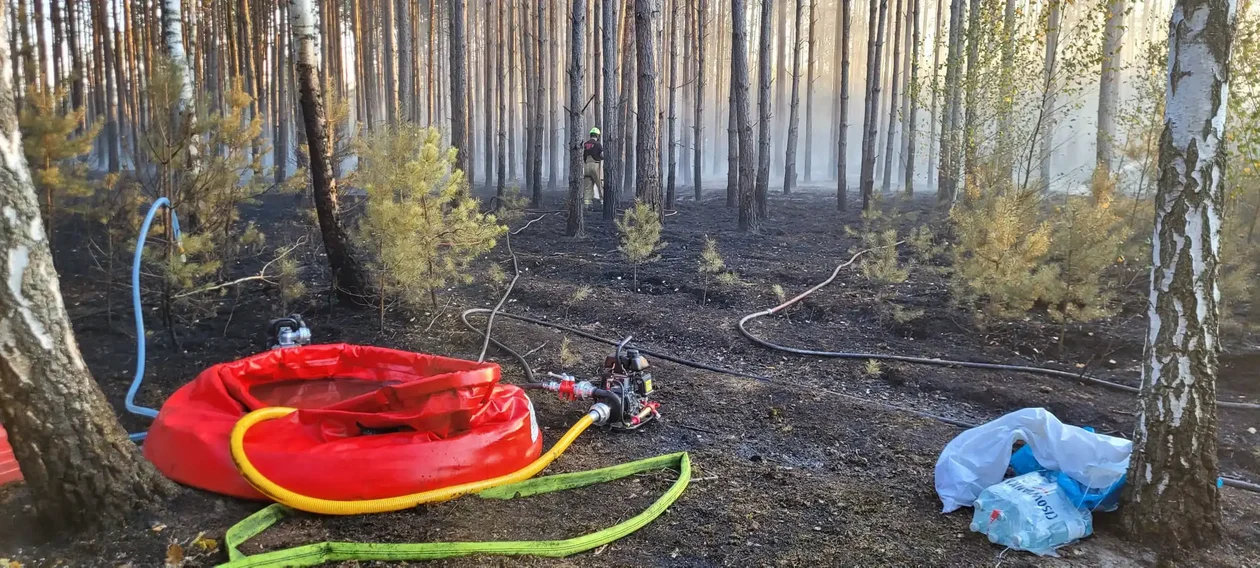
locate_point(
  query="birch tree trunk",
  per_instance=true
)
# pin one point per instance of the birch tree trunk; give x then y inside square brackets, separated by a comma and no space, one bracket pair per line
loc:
[911,124]
[870,121]
[648,189]
[348,277]
[1049,92]
[612,109]
[80,466]
[1172,498]
[765,112]
[575,226]
[1109,87]
[698,117]
[748,220]
[842,158]
[789,168]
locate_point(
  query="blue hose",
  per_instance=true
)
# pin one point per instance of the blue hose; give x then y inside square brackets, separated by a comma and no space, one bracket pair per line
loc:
[130,401]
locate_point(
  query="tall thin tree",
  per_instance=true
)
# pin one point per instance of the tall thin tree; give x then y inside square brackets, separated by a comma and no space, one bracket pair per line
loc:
[842,160]
[648,189]
[501,136]
[488,115]
[809,91]
[765,112]
[789,169]
[748,220]
[911,126]
[947,184]
[575,225]
[890,133]
[970,146]
[671,170]
[612,108]
[870,121]
[1049,93]
[702,19]
[1173,500]
[459,89]
[1109,87]
[933,119]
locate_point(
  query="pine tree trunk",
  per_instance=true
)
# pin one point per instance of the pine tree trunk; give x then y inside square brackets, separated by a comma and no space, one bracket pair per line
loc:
[1173,501]
[911,124]
[717,98]
[554,135]
[348,276]
[406,71]
[108,96]
[488,62]
[459,88]
[970,123]
[80,466]
[933,118]
[870,121]
[648,189]
[947,184]
[890,132]
[809,91]
[41,42]
[78,75]
[1109,87]
[672,146]
[1006,157]
[57,41]
[1049,94]
[780,78]
[541,128]
[575,225]
[698,117]
[625,126]
[840,42]
[28,52]
[612,109]
[512,39]
[280,121]
[765,112]
[842,155]
[501,137]
[789,170]
[748,220]
[388,59]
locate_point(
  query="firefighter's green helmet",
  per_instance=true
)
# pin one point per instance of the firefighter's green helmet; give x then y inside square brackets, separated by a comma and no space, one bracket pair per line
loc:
[594,132]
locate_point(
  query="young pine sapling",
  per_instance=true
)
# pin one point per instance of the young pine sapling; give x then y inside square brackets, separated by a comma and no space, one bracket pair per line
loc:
[640,229]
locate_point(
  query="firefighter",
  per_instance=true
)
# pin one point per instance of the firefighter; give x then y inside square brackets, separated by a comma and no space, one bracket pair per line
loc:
[593,158]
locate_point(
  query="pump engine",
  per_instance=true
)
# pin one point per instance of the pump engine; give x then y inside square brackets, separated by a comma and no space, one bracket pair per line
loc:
[624,384]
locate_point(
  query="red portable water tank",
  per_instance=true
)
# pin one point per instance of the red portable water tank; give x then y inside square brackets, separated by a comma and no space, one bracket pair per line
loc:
[372,423]
[9,471]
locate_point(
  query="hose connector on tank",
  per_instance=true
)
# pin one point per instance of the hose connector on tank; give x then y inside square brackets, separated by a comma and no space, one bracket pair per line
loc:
[600,413]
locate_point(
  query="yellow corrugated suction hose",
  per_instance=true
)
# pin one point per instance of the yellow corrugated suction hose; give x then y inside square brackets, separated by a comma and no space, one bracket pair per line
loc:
[387,504]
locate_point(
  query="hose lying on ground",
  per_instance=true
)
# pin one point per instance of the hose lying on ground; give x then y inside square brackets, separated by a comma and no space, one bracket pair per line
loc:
[529,373]
[927,361]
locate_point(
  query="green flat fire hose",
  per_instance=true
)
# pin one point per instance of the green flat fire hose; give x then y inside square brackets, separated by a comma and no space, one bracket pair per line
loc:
[320,553]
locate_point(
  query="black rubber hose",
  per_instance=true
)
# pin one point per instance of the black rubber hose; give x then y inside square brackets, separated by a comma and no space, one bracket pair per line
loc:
[937,362]
[1236,483]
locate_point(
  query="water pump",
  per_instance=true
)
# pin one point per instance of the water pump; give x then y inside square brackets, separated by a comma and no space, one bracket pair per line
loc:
[624,384]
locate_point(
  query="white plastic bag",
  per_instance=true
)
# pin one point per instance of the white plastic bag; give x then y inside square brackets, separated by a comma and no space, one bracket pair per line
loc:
[978,457]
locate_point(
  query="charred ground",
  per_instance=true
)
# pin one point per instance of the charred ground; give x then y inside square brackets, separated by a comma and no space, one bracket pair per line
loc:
[783,476]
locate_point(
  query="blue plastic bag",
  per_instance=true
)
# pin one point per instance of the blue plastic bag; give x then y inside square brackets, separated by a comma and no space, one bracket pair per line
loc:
[1095,499]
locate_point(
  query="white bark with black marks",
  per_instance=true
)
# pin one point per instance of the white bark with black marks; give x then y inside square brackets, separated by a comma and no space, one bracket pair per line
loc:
[1173,500]
[80,466]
